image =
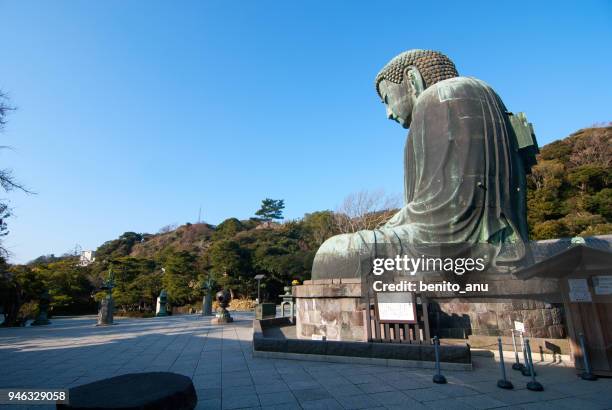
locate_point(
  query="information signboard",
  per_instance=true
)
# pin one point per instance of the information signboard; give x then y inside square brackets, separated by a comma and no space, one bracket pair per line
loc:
[519,326]
[579,290]
[395,307]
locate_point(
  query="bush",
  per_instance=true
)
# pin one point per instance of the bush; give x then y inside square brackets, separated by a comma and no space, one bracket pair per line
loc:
[601,229]
[241,305]
[28,311]
[550,230]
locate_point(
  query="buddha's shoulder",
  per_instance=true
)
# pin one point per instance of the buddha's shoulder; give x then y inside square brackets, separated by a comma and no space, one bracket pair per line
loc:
[456,88]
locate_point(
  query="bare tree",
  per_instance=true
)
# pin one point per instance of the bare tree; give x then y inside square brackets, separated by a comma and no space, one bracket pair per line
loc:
[595,148]
[7,180]
[168,228]
[365,210]
[602,124]
[4,109]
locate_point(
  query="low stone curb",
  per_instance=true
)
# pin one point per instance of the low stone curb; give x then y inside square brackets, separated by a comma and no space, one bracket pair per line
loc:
[387,354]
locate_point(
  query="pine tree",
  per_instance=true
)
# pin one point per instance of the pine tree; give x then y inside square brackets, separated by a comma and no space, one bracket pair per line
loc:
[271,209]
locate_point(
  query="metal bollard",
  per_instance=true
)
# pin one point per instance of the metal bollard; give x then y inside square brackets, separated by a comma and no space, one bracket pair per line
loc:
[526,369]
[517,365]
[541,354]
[503,383]
[587,374]
[533,385]
[438,378]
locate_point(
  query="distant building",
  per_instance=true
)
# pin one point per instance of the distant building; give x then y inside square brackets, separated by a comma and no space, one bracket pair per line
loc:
[87,258]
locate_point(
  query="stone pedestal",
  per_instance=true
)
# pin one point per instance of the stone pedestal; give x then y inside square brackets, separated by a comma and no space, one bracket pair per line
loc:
[265,311]
[43,307]
[330,308]
[207,305]
[105,313]
[222,317]
[162,304]
[41,319]
[334,308]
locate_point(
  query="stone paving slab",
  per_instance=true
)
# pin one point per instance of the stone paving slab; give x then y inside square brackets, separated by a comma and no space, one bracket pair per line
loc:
[72,351]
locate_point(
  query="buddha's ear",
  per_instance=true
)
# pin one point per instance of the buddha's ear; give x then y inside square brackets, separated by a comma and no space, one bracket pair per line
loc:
[412,74]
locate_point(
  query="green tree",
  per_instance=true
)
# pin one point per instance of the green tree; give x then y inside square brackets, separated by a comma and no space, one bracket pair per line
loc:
[549,229]
[19,286]
[69,286]
[180,277]
[146,288]
[228,228]
[318,226]
[557,150]
[44,259]
[589,178]
[119,247]
[226,256]
[127,294]
[271,209]
[600,203]
[281,254]
[578,223]
[228,261]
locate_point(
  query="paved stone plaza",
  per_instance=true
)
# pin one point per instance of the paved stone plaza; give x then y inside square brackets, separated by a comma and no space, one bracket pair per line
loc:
[72,351]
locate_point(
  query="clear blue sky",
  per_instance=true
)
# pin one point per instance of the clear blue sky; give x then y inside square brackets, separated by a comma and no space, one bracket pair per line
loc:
[133,114]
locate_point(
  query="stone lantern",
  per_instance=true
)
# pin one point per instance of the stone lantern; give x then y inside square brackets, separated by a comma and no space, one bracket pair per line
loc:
[43,307]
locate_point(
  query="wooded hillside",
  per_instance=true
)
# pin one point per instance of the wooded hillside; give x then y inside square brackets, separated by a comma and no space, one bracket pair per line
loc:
[570,188]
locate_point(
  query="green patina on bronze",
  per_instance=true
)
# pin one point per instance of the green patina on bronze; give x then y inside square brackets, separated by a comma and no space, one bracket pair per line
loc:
[163,303]
[433,66]
[107,305]
[465,162]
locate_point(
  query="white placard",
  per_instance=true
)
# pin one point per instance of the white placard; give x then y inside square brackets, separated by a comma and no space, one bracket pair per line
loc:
[602,284]
[393,312]
[519,326]
[579,290]
[603,290]
[395,307]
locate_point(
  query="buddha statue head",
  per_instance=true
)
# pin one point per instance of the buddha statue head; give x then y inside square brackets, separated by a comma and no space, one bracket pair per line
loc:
[406,76]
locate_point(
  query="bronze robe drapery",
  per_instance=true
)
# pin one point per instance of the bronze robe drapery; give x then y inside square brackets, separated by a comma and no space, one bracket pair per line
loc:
[464,185]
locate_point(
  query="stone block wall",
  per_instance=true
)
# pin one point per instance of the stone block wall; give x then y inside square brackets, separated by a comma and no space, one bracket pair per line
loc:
[458,318]
[334,308]
[335,319]
[330,308]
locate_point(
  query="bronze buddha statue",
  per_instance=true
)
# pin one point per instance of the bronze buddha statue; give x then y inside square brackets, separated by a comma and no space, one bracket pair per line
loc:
[464,171]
